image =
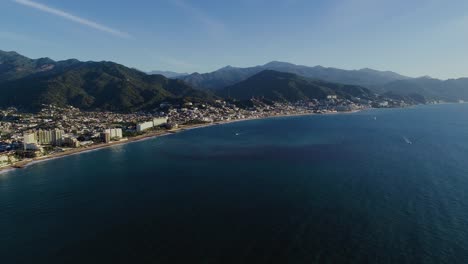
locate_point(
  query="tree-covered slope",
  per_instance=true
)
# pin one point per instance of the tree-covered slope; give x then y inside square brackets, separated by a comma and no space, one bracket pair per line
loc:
[280,86]
[14,66]
[96,86]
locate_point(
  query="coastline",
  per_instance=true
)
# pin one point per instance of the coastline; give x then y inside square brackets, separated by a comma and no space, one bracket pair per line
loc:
[24,163]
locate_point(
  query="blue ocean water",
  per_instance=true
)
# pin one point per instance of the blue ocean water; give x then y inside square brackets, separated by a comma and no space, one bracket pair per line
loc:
[379,186]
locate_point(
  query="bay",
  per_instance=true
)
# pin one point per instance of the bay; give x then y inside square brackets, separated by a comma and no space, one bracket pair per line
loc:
[378,186]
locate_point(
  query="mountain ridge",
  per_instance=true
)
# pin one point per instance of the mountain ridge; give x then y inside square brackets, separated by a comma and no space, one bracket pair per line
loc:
[281,86]
[229,75]
[87,85]
[168,74]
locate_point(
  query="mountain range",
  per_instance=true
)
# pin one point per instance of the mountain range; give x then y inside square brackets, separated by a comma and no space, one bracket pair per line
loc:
[382,82]
[230,75]
[289,87]
[28,83]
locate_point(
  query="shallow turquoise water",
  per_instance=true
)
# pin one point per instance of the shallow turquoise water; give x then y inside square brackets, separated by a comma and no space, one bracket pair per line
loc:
[325,189]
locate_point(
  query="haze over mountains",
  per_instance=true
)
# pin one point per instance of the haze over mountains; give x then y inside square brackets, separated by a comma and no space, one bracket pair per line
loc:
[28,83]
[432,89]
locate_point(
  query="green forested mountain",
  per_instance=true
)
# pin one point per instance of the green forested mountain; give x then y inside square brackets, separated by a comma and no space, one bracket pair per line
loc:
[87,85]
[14,66]
[280,86]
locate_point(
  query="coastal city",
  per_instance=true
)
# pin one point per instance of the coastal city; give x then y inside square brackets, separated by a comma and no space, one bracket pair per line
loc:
[253,132]
[58,131]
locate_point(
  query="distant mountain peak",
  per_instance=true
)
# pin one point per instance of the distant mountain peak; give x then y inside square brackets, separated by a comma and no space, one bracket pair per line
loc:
[278,64]
[226,68]
[168,74]
[8,52]
[425,77]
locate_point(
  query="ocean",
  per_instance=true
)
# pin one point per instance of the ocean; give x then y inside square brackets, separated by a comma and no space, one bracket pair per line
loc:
[378,186]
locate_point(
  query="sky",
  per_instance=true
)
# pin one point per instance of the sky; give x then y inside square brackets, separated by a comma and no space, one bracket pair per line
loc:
[414,38]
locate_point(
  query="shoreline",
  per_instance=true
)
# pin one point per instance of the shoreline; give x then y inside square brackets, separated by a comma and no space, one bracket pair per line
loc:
[155,134]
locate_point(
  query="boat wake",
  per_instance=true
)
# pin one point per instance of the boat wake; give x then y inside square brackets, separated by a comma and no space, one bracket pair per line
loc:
[407,141]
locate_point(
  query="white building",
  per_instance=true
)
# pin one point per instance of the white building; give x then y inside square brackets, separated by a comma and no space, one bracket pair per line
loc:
[383,104]
[57,137]
[144,126]
[150,124]
[71,142]
[29,137]
[115,133]
[44,137]
[159,121]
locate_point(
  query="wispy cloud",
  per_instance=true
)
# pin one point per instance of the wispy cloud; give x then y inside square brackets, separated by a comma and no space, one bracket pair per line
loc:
[71,17]
[212,24]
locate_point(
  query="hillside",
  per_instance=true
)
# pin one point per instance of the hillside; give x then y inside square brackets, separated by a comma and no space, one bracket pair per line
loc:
[230,75]
[88,85]
[14,66]
[280,86]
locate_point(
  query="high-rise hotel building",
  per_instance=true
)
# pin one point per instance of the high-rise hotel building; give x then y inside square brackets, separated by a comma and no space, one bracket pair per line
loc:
[44,137]
[57,137]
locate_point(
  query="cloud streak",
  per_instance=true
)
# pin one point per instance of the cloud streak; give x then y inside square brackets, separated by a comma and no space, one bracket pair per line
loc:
[71,17]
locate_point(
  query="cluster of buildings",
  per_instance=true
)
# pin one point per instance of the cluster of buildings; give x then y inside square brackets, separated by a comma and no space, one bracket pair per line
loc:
[32,139]
[58,128]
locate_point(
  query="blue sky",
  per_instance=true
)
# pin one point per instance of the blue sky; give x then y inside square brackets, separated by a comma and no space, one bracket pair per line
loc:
[423,37]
